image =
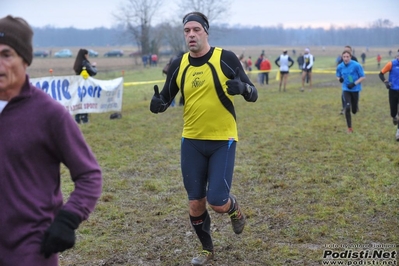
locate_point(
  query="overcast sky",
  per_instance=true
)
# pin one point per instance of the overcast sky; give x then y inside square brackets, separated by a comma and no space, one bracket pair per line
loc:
[85,14]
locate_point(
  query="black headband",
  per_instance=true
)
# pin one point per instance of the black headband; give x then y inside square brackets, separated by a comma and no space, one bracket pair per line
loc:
[198,19]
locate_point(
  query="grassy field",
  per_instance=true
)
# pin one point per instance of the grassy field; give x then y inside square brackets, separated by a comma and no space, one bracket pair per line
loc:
[303,182]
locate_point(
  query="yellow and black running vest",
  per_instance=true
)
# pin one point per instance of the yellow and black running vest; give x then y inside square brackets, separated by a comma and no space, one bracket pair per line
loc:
[208,108]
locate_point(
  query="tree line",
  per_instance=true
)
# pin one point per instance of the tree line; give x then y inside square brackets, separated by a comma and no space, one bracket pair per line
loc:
[222,36]
[135,28]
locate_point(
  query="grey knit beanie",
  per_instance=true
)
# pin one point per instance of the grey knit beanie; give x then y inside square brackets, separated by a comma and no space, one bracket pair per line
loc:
[16,33]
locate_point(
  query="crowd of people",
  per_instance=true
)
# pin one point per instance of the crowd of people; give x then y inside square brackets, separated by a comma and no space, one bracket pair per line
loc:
[149,60]
[349,72]
[284,62]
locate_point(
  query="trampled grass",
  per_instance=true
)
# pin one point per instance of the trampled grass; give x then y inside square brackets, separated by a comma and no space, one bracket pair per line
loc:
[302,181]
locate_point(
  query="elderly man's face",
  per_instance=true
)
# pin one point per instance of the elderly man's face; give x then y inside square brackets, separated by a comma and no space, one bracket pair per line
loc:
[12,69]
[196,37]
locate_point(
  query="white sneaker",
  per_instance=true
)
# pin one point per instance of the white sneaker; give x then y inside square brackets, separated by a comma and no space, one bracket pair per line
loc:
[397,135]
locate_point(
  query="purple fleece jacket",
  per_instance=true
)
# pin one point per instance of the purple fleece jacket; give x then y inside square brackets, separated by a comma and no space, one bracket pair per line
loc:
[37,134]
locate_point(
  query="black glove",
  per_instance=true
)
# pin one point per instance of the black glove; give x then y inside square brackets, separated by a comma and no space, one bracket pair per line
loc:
[61,233]
[388,85]
[235,86]
[157,104]
[351,85]
[341,79]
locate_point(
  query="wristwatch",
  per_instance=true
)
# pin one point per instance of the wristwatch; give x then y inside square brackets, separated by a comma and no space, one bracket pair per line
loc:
[248,87]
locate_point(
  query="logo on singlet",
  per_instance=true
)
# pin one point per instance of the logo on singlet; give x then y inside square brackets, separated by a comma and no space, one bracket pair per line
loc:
[197,83]
[197,73]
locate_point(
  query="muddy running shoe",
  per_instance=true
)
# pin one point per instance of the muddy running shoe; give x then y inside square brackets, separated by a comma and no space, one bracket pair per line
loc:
[397,135]
[350,130]
[395,120]
[237,218]
[203,258]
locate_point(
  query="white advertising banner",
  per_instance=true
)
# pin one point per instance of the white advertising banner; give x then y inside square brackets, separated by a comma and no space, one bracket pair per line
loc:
[80,95]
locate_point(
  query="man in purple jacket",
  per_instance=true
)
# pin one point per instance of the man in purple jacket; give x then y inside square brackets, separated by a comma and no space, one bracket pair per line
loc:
[37,134]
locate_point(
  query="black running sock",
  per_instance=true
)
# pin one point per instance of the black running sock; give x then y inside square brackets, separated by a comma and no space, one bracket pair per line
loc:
[202,227]
[232,205]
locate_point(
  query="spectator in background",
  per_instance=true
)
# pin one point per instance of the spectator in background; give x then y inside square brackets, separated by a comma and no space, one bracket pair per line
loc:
[145,59]
[83,66]
[265,67]
[392,84]
[284,62]
[307,69]
[154,60]
[257,65]
[300,61]
[249,64]
[350,74]
[379,61]
[363,56]
[37,135]
[243,61]
[338,60]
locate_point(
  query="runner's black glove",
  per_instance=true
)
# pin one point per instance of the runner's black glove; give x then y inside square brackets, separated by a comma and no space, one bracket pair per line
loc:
[351,85]
[341,79]
[157,103]
[61,233]
[387,85]
[235,86]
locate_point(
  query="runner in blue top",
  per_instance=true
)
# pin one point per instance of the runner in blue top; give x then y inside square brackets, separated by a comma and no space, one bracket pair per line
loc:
[392,84]
[350,74]
[349,49]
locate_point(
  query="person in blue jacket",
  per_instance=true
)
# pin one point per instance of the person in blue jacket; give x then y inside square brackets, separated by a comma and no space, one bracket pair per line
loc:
[392,84]
[350,74]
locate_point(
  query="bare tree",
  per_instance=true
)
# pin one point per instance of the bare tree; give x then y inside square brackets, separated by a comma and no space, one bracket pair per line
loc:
[174,36]
[381,23]
[136,15]
[213,9]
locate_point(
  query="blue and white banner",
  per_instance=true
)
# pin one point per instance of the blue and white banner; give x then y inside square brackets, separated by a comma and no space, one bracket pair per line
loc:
[80,95]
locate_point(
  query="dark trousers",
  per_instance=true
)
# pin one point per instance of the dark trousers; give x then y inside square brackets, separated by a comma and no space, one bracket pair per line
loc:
[393,102]
[351,101]
[265,78]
